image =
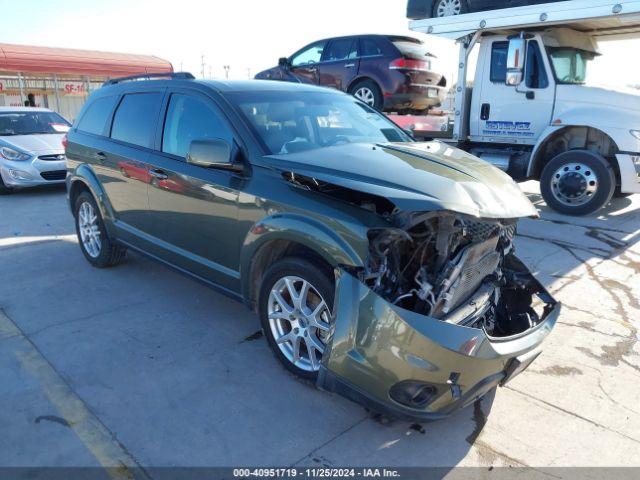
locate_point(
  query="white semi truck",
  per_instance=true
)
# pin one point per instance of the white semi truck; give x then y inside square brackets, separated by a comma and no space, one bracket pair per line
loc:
[528,109]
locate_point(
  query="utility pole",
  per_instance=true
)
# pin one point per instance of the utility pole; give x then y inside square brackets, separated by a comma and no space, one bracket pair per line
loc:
[181,69]
[202,62]
[210,75]
[226,71]
[249,73]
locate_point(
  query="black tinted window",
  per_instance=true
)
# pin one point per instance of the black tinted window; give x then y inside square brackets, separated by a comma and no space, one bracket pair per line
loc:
[135,118]
[369,47]
[95,118]
[535,71]
[499,52]
[341,49]
[189,119]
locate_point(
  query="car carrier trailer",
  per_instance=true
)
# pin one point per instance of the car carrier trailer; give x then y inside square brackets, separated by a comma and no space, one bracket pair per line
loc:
[527,109]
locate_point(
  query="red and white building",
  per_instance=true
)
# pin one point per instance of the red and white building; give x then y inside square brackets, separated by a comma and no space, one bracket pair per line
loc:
[61,78]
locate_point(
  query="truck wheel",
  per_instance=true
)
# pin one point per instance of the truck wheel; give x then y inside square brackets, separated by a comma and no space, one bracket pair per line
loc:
[577,182]
[368,92]
[296,298]
[448,8]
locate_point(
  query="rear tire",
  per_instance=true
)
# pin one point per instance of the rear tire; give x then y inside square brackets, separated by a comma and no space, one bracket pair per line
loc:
[449,8]
[577,182]
[368,92]
[289,320]
[97,247]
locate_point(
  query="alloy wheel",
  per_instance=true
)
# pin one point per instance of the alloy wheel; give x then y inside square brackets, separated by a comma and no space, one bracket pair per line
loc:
[89,229]
[574,184]
[299,321]
[447,8]
[366,95]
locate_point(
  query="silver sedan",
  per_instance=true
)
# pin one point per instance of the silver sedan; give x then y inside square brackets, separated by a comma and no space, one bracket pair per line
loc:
[31,150]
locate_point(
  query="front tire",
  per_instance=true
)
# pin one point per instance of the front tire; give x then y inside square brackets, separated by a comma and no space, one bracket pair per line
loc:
[96,245]
[295,302]
[4,190]
[577,182]
[367,91]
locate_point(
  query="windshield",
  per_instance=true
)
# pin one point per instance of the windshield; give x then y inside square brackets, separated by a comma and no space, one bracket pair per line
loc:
[289,122]
[570,65]
[31,123]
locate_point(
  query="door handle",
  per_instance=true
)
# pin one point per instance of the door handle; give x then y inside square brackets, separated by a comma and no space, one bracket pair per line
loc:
[350,65]
[159,174]
[100,156]
[485,111]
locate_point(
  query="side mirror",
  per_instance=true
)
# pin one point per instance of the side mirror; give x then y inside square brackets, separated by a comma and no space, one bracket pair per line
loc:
[284,63]
[213,153]
[516,61]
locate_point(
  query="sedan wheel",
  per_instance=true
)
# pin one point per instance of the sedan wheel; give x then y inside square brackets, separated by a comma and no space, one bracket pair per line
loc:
[299,321]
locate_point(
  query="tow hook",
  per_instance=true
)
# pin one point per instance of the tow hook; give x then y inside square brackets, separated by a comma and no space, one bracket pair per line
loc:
[456,391]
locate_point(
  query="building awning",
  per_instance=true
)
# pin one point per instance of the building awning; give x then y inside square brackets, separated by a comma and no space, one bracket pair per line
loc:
[67,61]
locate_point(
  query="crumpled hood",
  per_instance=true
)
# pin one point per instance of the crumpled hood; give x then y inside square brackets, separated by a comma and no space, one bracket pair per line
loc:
[35,143]
[583,95]
[415,177]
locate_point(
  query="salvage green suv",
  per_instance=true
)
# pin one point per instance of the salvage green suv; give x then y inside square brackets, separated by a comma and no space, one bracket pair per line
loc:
[381,268]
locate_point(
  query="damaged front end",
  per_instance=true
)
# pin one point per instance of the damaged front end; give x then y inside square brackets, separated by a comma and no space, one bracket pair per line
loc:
[442,313]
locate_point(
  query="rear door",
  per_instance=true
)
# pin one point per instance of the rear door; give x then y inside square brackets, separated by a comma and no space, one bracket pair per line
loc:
[194,210]
[304,64]
[121,161]
[340,62]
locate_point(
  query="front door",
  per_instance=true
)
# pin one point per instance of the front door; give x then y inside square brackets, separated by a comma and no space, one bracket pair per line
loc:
[304,64]
[194,210]
[507,114]
[340,63]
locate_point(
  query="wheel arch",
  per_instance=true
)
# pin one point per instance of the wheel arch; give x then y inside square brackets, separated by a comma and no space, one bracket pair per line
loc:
[277,237]
[363,78]
[557,140]
[85,179]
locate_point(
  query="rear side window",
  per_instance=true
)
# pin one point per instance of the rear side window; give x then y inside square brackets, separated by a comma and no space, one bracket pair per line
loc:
[499,51]
[135,119]
[190,118]
[341,49]
[369,48]
[95,118]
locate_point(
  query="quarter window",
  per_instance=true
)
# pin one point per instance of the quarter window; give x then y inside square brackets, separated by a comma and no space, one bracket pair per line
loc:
[189,119]
[95,118]
[135,118]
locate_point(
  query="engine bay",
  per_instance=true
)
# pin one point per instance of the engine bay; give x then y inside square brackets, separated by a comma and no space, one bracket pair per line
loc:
[456,269]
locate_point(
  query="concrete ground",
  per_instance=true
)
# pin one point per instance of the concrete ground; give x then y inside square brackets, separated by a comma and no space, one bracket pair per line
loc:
[139,365]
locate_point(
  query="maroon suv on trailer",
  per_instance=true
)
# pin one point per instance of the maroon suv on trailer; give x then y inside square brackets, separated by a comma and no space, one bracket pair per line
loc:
[390,73]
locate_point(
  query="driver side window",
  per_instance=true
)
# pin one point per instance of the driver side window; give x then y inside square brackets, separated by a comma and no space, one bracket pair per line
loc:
[309,55]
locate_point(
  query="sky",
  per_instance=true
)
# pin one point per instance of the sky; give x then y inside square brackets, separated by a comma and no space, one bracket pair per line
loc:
[247,35]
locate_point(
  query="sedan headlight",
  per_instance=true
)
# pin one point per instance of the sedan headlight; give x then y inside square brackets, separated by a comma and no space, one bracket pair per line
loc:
[11,154]
[635,133]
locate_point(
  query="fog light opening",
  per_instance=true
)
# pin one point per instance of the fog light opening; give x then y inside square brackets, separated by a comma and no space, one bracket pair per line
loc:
[413,394]
[20,175]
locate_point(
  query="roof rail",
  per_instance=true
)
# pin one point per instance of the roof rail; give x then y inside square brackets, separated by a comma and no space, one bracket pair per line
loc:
[149,76]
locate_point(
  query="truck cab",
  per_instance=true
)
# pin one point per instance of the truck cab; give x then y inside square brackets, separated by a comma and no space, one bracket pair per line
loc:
[528,108]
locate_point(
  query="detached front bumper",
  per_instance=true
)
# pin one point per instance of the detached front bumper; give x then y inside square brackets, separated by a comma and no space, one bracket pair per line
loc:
[385,357]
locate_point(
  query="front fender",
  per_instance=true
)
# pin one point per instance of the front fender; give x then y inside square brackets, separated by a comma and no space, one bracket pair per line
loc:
[306,231]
